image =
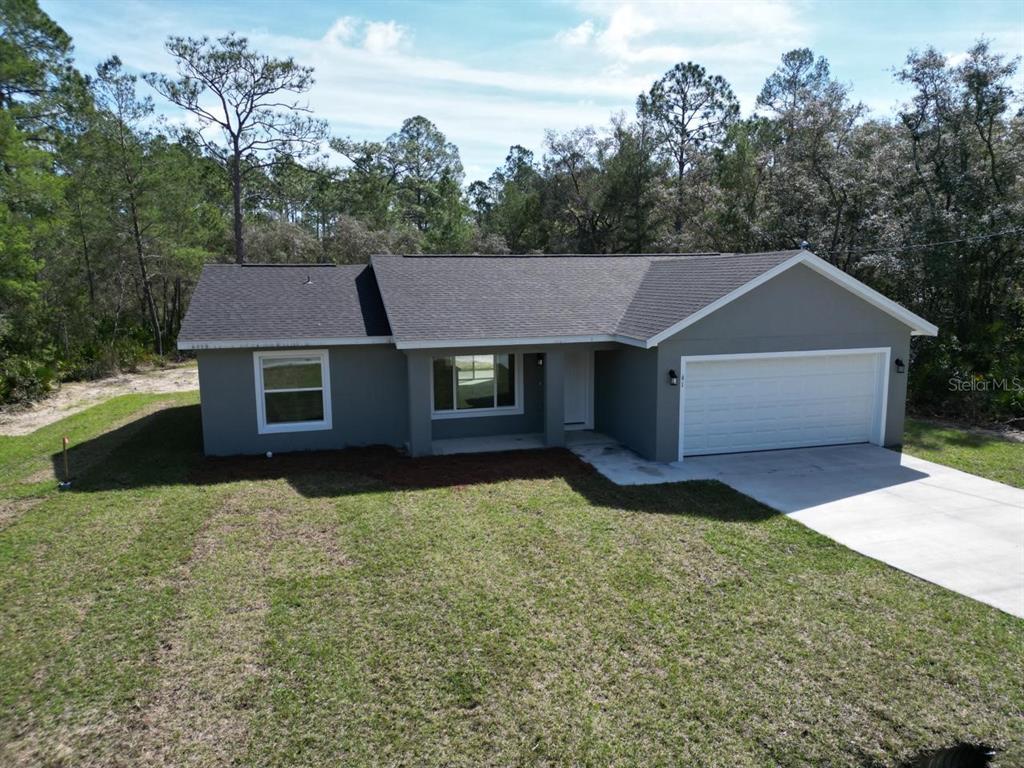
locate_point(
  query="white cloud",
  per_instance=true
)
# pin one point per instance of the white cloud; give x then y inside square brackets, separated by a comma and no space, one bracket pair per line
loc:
[341,31]
[770,17]
[369,75]
[624,27]
[637,32]
[490,91]
[576,36]
[361,65]
[483,110]
[383,36]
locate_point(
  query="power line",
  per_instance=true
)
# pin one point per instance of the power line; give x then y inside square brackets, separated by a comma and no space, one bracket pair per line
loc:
[917,246]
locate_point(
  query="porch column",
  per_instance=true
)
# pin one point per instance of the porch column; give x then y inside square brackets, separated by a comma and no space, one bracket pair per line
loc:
[419,396]
[554,398]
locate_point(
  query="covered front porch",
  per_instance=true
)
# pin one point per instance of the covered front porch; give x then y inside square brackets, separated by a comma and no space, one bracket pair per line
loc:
[470,401]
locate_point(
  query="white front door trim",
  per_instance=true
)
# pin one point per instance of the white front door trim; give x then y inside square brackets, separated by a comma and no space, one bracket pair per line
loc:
[885,353]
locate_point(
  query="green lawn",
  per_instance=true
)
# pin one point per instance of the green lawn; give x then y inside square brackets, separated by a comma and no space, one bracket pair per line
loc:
[358,608]
[979,453]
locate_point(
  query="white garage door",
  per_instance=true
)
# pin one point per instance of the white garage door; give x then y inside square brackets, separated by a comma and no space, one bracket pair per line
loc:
[734,403]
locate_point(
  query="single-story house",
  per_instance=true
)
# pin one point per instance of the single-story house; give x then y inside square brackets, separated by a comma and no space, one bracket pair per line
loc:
[671,355]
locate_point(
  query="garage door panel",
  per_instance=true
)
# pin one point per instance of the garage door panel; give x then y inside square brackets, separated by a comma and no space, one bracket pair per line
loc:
[761,403]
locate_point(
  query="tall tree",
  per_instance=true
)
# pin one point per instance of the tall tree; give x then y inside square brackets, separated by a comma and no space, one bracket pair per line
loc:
[635,185]
[690,112]
[742,168]
[576,193]
[35,79]
[121,123]
[412,178]
[426,162]
[962,184]
[248,99]
[515,193]
[800,80]
[821,188]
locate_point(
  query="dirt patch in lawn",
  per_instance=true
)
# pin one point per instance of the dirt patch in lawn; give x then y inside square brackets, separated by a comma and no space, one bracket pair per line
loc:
[209,655]
[211,659]
[12,509]
[76,396]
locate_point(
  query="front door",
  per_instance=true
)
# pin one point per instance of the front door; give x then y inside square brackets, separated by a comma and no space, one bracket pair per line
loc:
[579,389]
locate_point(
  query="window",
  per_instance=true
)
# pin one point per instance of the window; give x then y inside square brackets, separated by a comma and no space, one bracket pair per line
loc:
[292,391]
[477,385]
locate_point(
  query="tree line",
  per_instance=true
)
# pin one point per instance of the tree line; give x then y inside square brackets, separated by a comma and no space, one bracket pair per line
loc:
[107,213]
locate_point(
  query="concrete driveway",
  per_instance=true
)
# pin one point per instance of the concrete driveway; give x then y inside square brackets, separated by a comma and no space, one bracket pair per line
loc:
[951,528]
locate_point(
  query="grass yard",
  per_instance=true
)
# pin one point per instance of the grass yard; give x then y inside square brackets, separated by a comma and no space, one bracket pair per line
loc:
[358,608]
[979,453]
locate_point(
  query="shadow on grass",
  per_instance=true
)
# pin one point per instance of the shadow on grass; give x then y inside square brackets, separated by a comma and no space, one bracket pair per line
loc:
[963,755]
[165,448]
[157,449]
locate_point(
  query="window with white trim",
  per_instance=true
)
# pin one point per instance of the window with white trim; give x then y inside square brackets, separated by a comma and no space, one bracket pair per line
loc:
[477,385]
[292,391]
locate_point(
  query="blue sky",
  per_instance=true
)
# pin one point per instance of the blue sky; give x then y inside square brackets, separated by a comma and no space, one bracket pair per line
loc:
[494,74]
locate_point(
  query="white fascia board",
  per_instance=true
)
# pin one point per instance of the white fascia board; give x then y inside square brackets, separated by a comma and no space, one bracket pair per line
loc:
[185,344]
[918,325]
[518,342]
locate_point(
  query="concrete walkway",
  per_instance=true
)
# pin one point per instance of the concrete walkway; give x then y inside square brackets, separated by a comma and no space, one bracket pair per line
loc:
[951,528]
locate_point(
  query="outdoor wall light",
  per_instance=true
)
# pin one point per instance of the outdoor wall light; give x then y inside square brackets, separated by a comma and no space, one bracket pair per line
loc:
[540,360]
[673,378]
[900,367]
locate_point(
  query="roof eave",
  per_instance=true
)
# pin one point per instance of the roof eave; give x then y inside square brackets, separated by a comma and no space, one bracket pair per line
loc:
[327,341]
[519,341]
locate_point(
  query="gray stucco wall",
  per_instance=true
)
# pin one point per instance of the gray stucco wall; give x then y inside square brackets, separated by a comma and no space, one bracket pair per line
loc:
[625,396]
[368,402]
[798,310]
[633,402]
[531,420]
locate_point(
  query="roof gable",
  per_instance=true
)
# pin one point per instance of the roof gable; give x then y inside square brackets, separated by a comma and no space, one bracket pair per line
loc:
[675,289]
[918,325]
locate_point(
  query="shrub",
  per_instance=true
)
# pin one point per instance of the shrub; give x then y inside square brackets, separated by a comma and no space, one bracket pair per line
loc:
[23,379]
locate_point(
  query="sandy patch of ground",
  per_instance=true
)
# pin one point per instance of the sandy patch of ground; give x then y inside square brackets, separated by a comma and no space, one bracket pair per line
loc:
[12,508]
[76,396]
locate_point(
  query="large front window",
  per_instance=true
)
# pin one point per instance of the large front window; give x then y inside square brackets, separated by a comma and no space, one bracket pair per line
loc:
[292,391]
[477,385]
